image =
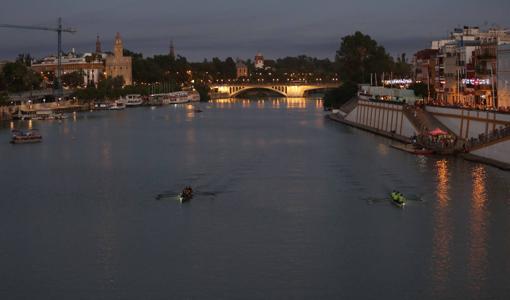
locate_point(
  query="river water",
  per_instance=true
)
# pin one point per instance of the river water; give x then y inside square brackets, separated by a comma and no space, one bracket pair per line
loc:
[288,205]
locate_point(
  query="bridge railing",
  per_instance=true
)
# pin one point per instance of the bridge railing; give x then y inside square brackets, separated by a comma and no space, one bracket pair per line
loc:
[483,139]
[235,83]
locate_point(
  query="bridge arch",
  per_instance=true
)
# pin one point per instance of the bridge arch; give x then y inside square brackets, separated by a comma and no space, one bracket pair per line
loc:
[281,90]
[315,89]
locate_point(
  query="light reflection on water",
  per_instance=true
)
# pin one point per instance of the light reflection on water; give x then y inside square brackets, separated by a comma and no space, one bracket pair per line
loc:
[442,236]
[383,149]
[275,103]
[281,202]
[421,162]
[106,242]
[106,155]
[477,261]
[296,103]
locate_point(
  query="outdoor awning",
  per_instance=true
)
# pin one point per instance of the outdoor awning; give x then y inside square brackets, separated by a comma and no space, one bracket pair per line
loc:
[438,131]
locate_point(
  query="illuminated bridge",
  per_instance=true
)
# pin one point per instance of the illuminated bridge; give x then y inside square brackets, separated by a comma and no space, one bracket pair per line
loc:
[291,90]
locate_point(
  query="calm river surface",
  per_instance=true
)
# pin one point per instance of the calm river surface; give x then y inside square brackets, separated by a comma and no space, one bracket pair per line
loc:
[288,205]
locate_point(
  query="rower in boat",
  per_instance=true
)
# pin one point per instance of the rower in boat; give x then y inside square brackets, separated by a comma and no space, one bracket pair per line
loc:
[186,194]
[398,199]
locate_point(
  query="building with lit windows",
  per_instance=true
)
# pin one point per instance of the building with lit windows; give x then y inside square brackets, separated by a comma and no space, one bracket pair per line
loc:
[503,76]
[465,66]
[93,66]
[425,66]
[242,69]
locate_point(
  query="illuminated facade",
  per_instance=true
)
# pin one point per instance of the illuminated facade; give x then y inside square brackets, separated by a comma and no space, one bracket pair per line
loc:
[259,61]
[504,76]
[465,67]
[118,64]
[91,65]
[242,69]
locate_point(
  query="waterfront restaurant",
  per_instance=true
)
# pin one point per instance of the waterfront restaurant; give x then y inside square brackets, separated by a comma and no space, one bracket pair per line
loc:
[379,93]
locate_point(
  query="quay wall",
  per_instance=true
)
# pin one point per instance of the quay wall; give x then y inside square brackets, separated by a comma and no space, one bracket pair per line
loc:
[388,119]
[385,117]
[467,123]
[499,152]
[47,106]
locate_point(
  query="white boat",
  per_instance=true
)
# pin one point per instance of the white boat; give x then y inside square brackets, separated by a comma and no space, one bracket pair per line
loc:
[101,106]
[174,98]
[194,96]
[25,137]
[49,115]
[117,105]
[132,100]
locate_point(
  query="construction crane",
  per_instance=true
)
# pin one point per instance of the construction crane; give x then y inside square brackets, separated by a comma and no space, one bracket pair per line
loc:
[59,29]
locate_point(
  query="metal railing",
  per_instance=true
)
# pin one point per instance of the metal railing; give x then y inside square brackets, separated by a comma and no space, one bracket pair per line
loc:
[484,139]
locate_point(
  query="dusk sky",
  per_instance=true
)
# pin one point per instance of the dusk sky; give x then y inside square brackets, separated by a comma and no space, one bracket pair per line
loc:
[239,28]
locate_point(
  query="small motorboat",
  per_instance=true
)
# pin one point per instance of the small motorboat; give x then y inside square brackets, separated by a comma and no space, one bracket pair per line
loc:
[197,110]
[398,199]
[25,137]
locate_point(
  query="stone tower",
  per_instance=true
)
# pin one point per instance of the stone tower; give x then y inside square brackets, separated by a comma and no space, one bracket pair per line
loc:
[172,50]
[98,45]
[259,61]
[118,64]
[118,48]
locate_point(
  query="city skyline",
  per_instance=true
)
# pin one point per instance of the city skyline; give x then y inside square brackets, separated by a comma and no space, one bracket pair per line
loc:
[239,29]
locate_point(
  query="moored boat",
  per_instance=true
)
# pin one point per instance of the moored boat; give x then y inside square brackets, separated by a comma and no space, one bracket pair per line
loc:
[25,137]
[193,96]
[132,100]
[101,106]
[413,149]
[117,105]
[174,98]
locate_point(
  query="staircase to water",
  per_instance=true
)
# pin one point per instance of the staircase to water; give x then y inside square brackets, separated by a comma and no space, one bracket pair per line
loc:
[425,122]
[349,105]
